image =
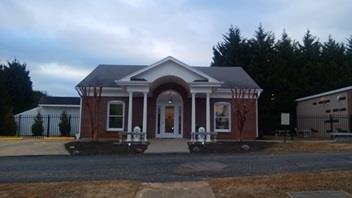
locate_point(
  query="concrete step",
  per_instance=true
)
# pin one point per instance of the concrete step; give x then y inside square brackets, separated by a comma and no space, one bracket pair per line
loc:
[168,146]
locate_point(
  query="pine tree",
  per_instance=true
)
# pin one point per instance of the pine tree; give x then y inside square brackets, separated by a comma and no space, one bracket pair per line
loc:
[37,127]
[4,103]
[19,86]
[65,124]
[10,125]
[349,46]
[286,69]
[230,52]
[262,52]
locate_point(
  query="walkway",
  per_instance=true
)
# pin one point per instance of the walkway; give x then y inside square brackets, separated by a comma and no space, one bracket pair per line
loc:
[168,146]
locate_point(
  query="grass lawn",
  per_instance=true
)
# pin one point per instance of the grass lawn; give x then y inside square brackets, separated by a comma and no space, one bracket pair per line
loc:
[123,189]
[279,185]
[250,186]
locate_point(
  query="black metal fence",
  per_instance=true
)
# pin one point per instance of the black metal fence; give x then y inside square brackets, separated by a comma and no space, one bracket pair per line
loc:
[323,126]
[50,125]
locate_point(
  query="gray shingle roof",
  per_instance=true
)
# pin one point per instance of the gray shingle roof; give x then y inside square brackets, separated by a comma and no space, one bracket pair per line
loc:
[105,75]
[51,100]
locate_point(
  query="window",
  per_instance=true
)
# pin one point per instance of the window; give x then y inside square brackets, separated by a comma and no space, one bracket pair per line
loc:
[222,117]
[341,109]
[340,98]
[324,101]
[115,118]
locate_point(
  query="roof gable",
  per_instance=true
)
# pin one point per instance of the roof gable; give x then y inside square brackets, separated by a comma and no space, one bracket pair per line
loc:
[169,66]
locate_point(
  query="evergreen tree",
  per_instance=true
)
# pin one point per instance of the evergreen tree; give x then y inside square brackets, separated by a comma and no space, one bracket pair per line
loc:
[4,103]
[37,127]
[262,52]
[349,46]
[65,124]
[309,64]
[333,70]
[260,68]
[311,47]
[10,125]
[19,86]
[286,69]
[231,50]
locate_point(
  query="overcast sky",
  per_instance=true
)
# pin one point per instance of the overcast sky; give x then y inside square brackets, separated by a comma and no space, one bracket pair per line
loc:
[62,41]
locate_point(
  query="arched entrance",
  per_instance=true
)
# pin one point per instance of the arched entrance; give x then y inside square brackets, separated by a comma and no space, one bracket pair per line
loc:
[169,115]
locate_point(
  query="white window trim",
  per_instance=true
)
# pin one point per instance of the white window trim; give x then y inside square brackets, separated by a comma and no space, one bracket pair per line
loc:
[108,115]
[230,112]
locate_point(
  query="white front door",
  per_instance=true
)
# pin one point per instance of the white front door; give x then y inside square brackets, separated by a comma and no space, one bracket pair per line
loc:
[169,119]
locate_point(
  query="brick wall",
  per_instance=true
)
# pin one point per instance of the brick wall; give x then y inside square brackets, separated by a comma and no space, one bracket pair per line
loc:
[248,133]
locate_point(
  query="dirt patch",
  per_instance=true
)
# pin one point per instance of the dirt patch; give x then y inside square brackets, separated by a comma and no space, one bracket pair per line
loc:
[192,168]
[230,147]
[103,148]
[279,185]
[124,189]
[270,147]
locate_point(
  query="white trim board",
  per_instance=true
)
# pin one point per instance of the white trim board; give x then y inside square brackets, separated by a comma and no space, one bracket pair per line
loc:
[58,105]
[170,58]
[325,93]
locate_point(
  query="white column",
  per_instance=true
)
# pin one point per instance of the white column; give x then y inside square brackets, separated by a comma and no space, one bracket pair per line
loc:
[193,112]
[145,115]
[129,126]
[208,116]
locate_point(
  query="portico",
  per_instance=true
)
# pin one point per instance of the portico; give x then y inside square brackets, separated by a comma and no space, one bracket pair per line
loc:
[169,103]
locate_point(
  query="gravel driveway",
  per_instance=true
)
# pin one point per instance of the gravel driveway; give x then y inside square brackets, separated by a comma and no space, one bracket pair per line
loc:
[164,167]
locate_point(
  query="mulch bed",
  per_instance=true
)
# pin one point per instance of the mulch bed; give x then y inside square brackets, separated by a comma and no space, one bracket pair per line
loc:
[229,147]
[104,148]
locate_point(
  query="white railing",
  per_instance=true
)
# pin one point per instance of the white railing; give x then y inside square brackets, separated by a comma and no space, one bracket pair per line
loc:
[132,137]
[203,137]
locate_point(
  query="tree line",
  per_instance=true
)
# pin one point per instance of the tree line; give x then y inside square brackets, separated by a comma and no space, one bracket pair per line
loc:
[286,69]
[16,94]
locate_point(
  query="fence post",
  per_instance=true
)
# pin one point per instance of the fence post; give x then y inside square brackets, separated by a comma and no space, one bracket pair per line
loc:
[350,122]
[19,125]
[48,127]
[69,122]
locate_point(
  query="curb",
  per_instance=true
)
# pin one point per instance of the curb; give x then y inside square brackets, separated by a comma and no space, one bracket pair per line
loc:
[59,138]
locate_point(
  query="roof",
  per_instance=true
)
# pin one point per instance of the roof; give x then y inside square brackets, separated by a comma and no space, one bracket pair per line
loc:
[232,76]
[51,100]
[325,93]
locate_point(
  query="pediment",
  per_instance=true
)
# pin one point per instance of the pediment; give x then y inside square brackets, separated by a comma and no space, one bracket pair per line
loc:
[169,67]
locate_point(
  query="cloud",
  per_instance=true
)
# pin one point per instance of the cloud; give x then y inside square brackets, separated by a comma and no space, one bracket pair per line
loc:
[57,79]
[54,70]
[75,36]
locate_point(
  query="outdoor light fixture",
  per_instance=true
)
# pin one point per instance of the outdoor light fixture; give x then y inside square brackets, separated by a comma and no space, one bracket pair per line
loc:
[170,98]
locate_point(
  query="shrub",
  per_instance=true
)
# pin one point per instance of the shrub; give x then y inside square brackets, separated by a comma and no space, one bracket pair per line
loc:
[65,124]
[10,126]
[37,127]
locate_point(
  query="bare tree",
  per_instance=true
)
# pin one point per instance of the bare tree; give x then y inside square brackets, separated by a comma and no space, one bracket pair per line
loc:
[91,98]
[240,98]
